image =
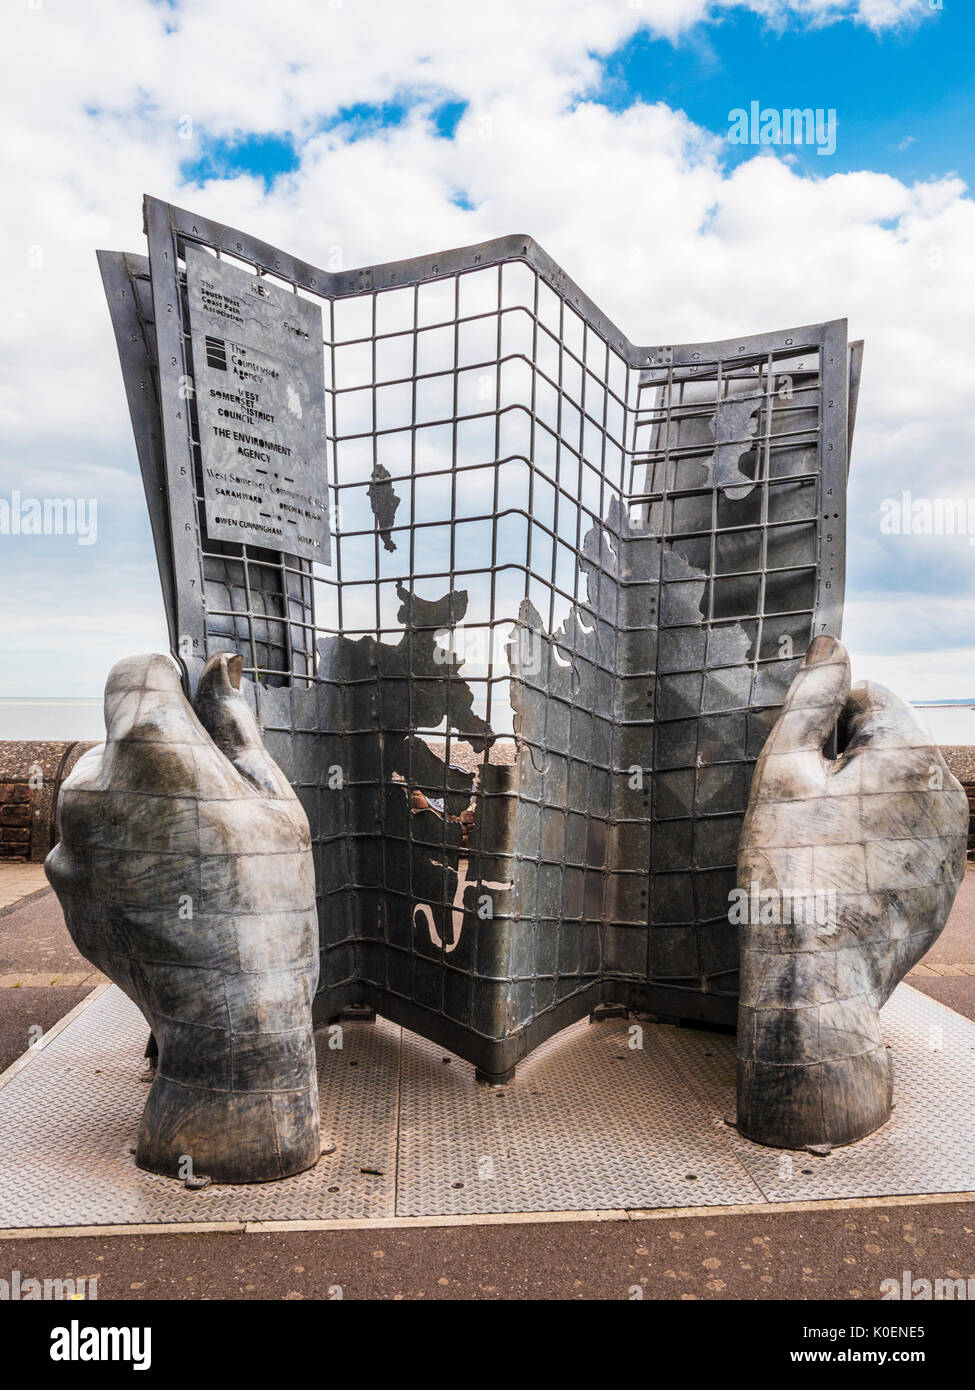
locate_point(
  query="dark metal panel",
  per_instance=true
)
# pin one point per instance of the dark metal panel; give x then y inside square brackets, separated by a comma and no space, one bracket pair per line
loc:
[856,368]
[259,393]
[126,282]
[174,409]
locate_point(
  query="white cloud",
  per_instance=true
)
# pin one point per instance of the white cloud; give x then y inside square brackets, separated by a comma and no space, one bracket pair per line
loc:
[914,644]
[877,15]
[886,14]
[637,205]
[231,64]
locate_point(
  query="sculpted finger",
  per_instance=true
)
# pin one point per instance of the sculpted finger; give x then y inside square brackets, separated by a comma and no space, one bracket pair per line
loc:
[877,718]
[889,751]
[791,765]
[154,742]
[85,774]
[815,699]
[228,719]
[140,790]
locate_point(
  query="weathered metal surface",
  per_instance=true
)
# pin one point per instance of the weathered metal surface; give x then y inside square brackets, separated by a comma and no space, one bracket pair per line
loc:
[847,870]
[125,279]
[259,387]
[185,874]
[69,1123]
[592,1123]
[583,568]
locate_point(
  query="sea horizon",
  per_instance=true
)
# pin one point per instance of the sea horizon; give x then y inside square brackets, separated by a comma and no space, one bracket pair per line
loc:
[56,717]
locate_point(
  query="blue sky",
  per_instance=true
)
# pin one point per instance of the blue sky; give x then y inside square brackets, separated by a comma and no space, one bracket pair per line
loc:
[905,98]
[268,156]
[376,130]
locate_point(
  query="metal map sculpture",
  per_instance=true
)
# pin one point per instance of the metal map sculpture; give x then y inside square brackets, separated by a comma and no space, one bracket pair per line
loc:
[570,582]
[516,602]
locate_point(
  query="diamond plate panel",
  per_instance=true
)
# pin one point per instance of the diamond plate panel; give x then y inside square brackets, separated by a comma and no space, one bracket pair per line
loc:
[68,1125]
[588,1124]
[928,1145]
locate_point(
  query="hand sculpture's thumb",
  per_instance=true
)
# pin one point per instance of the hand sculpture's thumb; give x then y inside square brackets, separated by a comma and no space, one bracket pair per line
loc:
[814,702]
[230,722]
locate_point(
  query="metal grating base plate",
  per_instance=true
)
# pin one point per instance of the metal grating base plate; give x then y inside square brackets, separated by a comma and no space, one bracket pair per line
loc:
[69,1121]
[928,1145]
[589,1123]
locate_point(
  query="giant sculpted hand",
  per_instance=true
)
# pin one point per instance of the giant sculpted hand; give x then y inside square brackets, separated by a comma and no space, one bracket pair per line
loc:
[185,873]
[867,850]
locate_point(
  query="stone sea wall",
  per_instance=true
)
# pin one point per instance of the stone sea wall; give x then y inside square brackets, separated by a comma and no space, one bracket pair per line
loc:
[31,773]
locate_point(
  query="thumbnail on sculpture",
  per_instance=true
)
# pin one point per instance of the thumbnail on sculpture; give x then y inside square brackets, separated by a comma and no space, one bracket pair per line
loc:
[185,873]
[847,870]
